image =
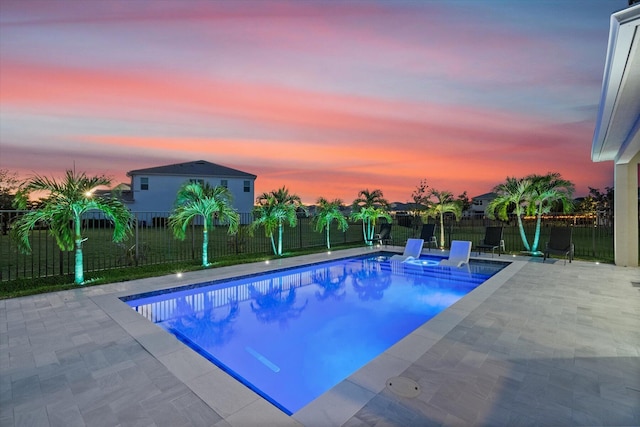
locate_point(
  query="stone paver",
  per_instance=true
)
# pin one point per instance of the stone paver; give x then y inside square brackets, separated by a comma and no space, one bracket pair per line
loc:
[555,345]
[551,345]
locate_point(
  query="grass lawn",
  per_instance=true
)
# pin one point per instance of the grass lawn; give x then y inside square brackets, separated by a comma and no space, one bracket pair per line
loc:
[153,251]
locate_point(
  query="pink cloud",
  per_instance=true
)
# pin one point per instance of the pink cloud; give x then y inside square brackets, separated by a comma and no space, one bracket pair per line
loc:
[288,128]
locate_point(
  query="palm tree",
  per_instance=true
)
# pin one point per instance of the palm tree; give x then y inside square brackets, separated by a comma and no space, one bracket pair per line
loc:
[62,209]
[194,200]
[512,197]
[444,203]
[273,210]
[327,212]
[368,207]
[547,192]
[369,217]
[268,215]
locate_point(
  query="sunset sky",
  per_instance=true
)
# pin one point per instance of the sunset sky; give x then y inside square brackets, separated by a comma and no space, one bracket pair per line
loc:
[324,97]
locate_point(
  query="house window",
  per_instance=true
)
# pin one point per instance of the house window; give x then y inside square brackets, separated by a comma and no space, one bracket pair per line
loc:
[197,181]
[247,186]
[144,183]
[224,183]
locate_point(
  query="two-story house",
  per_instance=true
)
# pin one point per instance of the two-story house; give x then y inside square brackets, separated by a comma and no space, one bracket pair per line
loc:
[154,189]
[479,205]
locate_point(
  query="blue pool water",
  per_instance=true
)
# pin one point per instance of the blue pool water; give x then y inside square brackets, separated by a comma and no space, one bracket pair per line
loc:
[293,334]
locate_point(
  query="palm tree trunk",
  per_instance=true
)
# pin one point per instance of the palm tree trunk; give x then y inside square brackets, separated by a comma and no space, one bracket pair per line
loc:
[205,245]
[364,232]
[523,236]
[536,238]
[441,230]
[273,244]
[78,267]
[328,240]
[280,239]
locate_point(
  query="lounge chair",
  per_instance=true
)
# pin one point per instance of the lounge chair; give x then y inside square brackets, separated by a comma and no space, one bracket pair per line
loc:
[560,243]
[492,240]
[428,235]
[458,254]
[384,236]
[412,250]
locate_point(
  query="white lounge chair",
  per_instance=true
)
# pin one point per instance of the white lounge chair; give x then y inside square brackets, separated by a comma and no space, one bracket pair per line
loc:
[459,254]
[412,250]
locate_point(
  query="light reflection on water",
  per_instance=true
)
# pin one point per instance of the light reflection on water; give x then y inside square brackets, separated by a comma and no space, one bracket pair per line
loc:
[293,334]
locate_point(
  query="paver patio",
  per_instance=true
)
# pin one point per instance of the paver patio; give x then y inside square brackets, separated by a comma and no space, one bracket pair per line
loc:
[538,344]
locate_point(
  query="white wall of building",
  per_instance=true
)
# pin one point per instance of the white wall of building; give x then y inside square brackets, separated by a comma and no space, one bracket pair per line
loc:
[161,192]
[626,213]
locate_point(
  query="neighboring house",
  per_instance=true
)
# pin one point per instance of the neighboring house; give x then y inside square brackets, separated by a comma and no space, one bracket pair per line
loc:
[154,189]
[479,205]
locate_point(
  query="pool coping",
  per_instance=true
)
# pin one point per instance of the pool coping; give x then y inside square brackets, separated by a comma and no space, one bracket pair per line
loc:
[237,403]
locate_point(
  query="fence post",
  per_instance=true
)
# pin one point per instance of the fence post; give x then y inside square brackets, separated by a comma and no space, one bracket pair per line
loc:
[593,239]
[300,233]
[137,255]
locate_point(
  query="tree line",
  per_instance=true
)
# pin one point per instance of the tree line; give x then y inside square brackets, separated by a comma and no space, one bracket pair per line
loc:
[65,202]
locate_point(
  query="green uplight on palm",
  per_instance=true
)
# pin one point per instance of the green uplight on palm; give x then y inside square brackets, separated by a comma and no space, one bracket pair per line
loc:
[196,200]
[62,209]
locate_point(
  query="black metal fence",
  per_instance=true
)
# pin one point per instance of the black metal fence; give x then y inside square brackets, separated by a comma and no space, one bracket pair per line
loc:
[152,242]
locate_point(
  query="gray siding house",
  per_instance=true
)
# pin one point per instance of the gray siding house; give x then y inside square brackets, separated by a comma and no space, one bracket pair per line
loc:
[154,189]
[479,205]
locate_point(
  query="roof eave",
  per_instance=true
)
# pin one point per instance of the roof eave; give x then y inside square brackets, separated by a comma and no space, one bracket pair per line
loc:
[621,39]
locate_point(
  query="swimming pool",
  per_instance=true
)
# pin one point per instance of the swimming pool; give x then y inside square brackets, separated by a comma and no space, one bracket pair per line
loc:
[293,334]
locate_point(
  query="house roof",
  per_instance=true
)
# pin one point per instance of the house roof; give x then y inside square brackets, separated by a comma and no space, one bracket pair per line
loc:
[617,130]
[485,196]
[192,169]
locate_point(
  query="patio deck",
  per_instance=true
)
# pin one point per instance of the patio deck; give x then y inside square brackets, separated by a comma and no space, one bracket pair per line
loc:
[538,344]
